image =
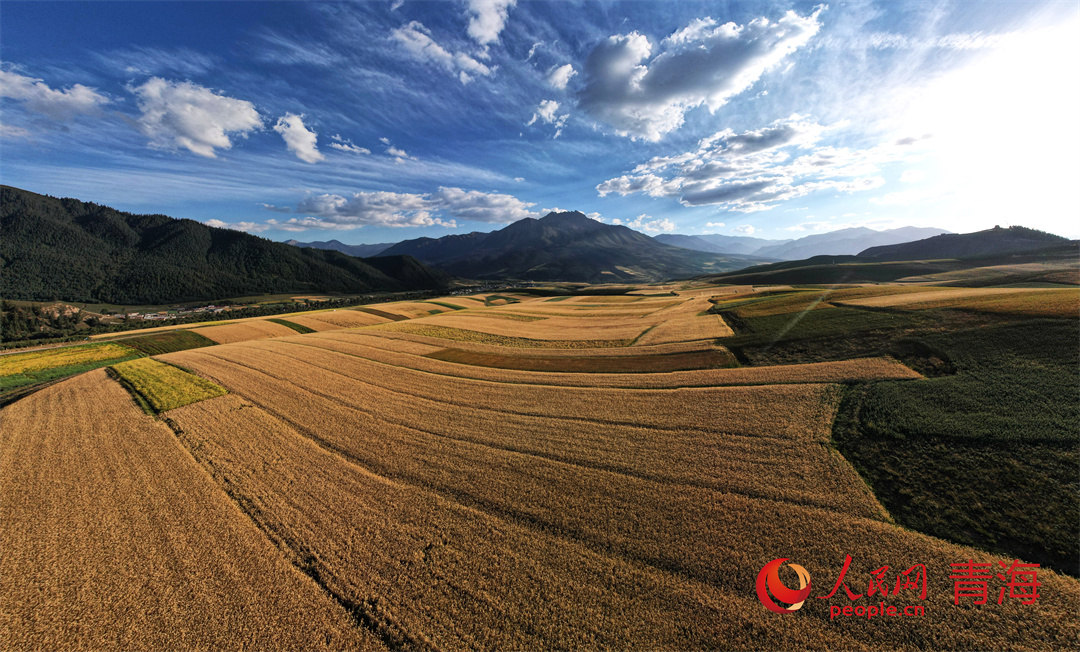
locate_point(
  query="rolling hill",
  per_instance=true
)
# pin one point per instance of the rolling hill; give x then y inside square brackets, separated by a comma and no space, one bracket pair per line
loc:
[981,243]
[564,247]
[66,249]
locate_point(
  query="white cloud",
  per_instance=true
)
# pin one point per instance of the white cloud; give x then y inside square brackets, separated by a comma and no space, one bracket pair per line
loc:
[416,39]
[481,207]
[346,145]
[442,207]
[60,105]
[246,227]
[276,209]
[744,229]
[701,64]
[299,139]
[559,76]
[714,225]
[396,4]
[193,117]
[647,223]
[519,179]
[755,170]
[546,113]
[487,19]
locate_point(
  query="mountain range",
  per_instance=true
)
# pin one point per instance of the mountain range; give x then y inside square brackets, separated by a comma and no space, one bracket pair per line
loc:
[359,250]
[66,249]
[566,246]
[835,243]
[1006,250]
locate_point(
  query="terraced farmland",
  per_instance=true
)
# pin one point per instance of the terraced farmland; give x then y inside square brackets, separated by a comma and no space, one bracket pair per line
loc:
[603,475]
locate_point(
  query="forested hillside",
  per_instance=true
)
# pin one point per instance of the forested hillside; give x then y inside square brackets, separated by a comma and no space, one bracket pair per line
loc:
[65,249]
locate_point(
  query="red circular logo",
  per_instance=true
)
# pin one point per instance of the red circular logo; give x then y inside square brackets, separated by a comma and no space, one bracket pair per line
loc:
[768,581]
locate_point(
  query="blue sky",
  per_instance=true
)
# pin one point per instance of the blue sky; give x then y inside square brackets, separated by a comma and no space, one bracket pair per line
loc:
[382,121]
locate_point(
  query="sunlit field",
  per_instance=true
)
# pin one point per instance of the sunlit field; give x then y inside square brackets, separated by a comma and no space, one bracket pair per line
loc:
[537,472]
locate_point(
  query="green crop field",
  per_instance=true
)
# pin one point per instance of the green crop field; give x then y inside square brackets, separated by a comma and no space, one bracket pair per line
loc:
[163,386]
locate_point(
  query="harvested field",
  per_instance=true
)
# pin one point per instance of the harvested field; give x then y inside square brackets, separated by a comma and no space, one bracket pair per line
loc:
[162,386]
[450,576]
[374,352]
[243,331]
[939,297]
[503,478]
[1033,302]
[334,319]
[686,329]
[532,507]
[554,328]
[713,358]
[113,537]
[464,335]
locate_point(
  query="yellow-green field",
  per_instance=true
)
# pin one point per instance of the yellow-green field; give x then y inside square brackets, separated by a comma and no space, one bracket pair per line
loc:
[163,386]
[24,363]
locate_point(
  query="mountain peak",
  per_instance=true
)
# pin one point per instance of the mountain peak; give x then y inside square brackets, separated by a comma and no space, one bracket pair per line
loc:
[565,217]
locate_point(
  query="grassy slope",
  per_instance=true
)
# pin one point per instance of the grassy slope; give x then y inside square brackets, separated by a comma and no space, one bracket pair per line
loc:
[985,457]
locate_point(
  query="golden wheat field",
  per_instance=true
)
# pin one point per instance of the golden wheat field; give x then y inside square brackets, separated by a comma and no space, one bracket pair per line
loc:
[600,475]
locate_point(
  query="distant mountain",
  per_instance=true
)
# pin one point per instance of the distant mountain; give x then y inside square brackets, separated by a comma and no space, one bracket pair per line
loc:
[844,242]
[360,250]
[740,244]
[981,243]
[699,243]
[564,247]
[65,249]
[1004,254]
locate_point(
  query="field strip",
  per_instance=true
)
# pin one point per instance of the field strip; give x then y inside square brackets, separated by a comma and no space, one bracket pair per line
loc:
[401,342]
[244,331]
[737,407]
[817,372]
[523,334]
[114,537]
[740,534]
[810,474]
[450,577]
[704,358]
[163,386]
[938,294]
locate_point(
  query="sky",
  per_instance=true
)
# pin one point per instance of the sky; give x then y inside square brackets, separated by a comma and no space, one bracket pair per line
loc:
[381,121]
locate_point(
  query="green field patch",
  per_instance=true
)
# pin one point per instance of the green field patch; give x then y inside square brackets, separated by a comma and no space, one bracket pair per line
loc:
[984,457]
[296,327]
[834,322]
[163,387]
[447,305]
[382,313]
[168,342]
[492,298]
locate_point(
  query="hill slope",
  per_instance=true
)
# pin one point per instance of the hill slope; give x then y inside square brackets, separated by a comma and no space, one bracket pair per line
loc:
[76,251]
[967,245]
[716,243]
[564,247]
